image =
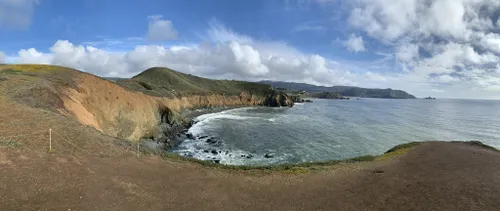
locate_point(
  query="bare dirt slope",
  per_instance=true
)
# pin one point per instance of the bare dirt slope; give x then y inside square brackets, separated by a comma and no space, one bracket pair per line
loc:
[433,176]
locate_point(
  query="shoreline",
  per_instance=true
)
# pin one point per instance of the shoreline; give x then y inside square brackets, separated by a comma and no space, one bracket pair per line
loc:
[171,137]
[304,167]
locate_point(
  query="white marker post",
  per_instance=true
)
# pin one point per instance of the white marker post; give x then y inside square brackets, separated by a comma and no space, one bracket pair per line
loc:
[50,139]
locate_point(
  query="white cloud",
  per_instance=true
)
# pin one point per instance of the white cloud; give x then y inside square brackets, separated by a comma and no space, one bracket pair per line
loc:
[16,14]
[407,52]
[434,90]
[355,43]
[391,20]
[446,79]
[160,30]
[452,42]
[2,58]
[32,56]
[227,55]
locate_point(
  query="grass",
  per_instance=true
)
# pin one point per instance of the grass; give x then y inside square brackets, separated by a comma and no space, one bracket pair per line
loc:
[398,150]
[35,68]
[480,144]
[166,82]
[402,147]
[10,143]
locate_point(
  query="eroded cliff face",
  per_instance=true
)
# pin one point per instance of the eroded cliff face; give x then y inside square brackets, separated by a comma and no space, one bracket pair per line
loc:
[131,115]
[111,109]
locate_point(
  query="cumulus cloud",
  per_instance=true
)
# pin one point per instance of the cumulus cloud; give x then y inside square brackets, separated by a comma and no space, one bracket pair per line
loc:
[16,14]
[355,43]
[32,56]
[456,42]
[226,54]
[160,30]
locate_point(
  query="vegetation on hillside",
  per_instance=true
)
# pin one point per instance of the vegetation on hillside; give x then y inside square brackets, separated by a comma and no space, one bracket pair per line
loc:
[160,81]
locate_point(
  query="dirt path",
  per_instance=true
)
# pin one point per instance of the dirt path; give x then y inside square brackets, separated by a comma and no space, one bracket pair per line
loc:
[433,176]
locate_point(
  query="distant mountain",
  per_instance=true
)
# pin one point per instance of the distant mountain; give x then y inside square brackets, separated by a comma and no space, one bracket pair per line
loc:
[351,91]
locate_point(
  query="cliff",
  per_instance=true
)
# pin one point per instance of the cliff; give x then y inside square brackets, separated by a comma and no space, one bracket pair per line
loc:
[125,112]
[350,91]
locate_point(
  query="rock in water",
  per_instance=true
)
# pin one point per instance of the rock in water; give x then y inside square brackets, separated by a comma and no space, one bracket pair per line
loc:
[269,155]
[211,141]
[214,152]
[189,135]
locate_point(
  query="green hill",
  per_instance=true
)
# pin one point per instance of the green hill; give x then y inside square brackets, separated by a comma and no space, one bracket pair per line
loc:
[351,91]
[165,82]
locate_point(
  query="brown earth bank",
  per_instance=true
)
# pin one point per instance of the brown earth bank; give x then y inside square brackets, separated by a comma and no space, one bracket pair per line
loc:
[90,169]
[432,176]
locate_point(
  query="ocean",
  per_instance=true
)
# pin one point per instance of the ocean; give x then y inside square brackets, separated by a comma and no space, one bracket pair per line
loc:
[336,129]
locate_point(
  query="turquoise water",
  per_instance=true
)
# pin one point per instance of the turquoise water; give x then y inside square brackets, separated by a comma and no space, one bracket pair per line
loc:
[338,129]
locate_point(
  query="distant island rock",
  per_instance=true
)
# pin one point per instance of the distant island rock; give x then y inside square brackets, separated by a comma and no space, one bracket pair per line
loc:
[430,98]
[351,91]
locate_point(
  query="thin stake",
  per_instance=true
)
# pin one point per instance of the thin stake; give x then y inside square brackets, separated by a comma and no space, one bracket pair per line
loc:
[50,139]
[137,149]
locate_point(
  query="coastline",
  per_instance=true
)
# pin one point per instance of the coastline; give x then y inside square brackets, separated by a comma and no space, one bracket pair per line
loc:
[172,136]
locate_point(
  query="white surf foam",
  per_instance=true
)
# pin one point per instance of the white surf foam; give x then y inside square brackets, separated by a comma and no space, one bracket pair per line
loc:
[202,150]
[199,149]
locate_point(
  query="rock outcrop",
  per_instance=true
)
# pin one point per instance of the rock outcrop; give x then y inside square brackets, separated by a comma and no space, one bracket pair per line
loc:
[278,99]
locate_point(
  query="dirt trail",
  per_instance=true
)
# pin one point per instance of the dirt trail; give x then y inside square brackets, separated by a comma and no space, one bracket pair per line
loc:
[432,176]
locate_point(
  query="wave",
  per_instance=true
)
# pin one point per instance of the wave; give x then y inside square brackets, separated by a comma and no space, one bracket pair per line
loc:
[203,121]
[201,150]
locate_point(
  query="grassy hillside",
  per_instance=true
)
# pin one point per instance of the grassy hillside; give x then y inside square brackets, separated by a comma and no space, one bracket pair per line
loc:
[343,90]
[160,81]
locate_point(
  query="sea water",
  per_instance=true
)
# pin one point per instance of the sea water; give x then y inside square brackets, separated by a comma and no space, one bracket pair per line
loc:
[336,129]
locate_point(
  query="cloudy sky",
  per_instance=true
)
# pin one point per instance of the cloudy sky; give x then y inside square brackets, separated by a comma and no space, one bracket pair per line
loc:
[442,48]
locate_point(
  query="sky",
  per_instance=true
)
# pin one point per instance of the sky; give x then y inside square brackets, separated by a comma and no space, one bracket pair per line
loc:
[439,48]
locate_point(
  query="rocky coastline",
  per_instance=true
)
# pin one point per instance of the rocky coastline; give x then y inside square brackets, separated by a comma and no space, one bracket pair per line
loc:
[174,127]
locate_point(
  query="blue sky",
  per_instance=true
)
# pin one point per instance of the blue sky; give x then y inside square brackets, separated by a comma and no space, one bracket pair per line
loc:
[441,48]
[83,21]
